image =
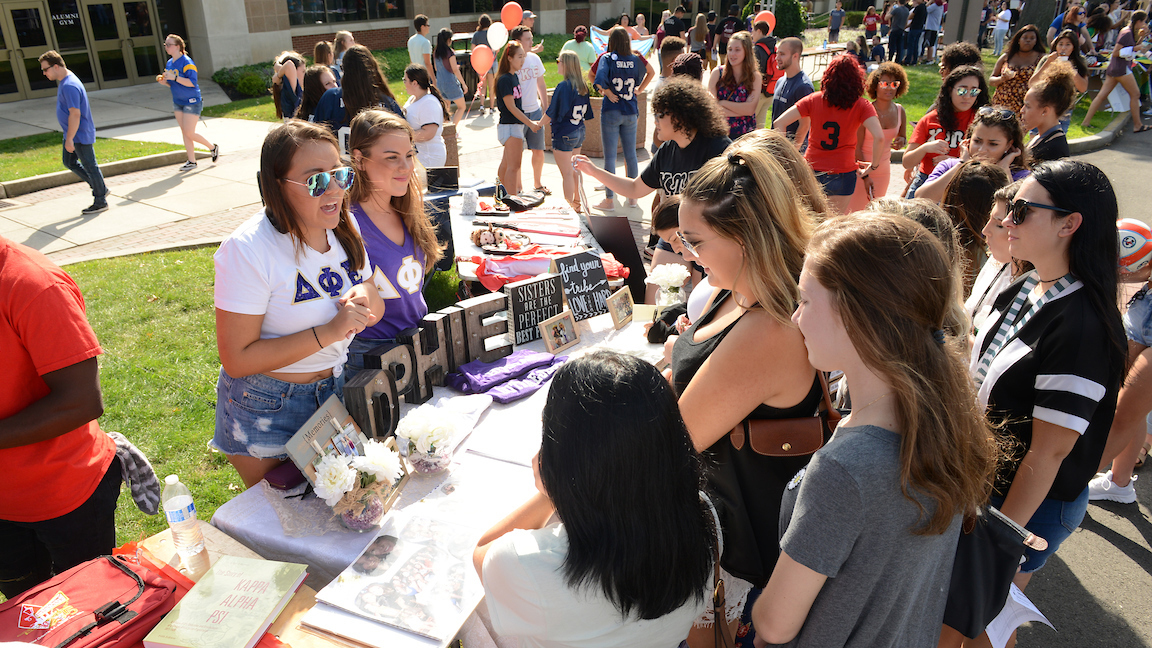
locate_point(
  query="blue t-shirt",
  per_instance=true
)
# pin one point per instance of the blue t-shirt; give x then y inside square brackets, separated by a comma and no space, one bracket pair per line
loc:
[70,94]
[398,273]
[330,109]
[568,110]
[835,19]
[788,92]
[181,94]
[623,75]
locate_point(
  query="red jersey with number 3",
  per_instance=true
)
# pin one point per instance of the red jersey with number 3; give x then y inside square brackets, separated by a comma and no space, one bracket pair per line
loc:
[929,128]
[832,138]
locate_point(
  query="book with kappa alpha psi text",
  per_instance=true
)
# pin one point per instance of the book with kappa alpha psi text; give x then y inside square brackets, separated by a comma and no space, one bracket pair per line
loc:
[231,606]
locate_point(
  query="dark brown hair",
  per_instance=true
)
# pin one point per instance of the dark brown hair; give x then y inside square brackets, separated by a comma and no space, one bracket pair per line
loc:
[363,82]
[276,157]
[968,200]
[322,53]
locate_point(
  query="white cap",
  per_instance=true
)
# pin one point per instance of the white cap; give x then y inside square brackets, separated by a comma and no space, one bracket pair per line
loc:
[172,479]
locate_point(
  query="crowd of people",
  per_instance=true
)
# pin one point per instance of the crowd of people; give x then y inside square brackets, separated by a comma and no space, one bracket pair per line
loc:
[965,379]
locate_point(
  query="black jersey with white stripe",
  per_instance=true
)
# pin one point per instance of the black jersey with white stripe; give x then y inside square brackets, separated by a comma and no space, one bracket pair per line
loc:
[1061,368]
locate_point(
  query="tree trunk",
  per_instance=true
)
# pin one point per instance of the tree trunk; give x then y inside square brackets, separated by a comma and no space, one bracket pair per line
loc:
[1038,12]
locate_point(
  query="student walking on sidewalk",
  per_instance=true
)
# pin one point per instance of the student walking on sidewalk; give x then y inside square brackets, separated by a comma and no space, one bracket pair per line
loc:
[75,117]
[181,77]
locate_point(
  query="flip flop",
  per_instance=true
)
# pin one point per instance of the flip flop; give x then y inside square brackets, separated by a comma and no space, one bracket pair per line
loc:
[1141,128]
[544,190]
[1143,456]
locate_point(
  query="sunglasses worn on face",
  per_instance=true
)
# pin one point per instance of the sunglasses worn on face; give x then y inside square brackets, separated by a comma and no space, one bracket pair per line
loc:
[318,183]
[889,85]
[960,92]
[694,250]
[1019,210]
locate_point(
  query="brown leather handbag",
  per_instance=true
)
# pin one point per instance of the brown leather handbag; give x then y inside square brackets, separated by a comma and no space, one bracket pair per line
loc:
[788,437]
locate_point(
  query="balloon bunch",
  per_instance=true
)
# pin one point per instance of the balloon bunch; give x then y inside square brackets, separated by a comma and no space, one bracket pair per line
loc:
[484,55]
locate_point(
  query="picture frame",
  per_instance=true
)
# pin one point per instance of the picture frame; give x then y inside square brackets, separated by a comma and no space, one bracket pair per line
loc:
[559,332]
[621,307]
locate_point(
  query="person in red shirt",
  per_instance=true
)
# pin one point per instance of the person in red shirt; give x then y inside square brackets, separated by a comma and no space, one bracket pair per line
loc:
[938,135]
[61,478]
[871,23]
[834,115]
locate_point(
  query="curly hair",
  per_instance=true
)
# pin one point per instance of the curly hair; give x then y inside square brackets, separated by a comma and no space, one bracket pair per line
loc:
[945,111]
[691,108]
[1056,87]
[960,53]
[843,82]
[1014,45]
[890,69]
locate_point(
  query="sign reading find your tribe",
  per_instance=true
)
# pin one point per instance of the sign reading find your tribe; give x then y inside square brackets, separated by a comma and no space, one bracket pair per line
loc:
[585,283]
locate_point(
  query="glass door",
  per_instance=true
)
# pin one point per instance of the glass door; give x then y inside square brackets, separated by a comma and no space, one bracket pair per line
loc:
[24,36]
[123,39]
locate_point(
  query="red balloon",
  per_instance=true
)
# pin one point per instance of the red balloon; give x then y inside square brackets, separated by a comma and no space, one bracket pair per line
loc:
[481,59]
[512,15]
[768,17]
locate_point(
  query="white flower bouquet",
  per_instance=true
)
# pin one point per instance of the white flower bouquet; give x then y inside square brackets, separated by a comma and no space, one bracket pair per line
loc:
[361,488]
[426,437]
[670,277]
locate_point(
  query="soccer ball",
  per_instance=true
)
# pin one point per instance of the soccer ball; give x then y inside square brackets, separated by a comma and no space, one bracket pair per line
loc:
[1135,240]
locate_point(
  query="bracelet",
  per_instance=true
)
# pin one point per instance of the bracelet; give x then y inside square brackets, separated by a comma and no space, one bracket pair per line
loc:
[317,337]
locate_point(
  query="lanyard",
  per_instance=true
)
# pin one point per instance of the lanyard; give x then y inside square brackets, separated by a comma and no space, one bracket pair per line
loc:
[1010,326]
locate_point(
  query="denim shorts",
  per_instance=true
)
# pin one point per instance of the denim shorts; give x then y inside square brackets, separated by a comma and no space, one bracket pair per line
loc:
[838,184]
[1138,318]
[569,142]
[192,109]
[256,415]
[505,132]
[1054,521]
[534,141]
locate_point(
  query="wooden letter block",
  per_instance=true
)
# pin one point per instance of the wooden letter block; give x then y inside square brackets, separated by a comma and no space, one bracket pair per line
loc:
[456,336]
[372,401]
[486,342]
[430,350]
[400,359]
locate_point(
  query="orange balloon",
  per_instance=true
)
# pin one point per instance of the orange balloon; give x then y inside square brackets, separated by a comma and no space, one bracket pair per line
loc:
[512,15]
[768,17]
[481,59]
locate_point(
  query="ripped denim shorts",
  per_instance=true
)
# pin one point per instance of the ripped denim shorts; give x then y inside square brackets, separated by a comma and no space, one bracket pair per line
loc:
[256,415]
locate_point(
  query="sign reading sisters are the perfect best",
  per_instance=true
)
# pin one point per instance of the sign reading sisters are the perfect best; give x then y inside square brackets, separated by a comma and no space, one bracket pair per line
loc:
[585,284]
[532,301]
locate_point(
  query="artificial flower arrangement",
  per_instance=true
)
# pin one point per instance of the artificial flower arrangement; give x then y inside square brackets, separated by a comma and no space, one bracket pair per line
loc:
[427,437]
[361,488]
[670,277]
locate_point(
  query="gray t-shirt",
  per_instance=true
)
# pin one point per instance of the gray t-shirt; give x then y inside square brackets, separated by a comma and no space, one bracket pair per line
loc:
[899,17]
[835,19]
[845,517]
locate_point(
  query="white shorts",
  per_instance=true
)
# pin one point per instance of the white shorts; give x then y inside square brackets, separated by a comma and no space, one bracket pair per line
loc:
[506,131]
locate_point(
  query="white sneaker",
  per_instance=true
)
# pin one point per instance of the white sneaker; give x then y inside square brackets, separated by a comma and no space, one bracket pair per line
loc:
[1103,488]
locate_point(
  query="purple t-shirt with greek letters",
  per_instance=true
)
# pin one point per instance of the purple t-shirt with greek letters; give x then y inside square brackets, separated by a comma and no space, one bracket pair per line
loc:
[398,272]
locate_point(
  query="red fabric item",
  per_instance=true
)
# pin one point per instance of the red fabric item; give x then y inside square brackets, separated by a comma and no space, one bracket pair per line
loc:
[929,128]
[832,138]
[494,272]
[43,328]
[613,268]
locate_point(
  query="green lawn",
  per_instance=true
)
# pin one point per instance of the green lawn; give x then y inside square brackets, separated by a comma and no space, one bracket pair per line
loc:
[24,157]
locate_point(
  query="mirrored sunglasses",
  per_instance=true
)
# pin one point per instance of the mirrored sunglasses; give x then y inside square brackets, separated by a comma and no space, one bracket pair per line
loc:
[317,184]
[961,92]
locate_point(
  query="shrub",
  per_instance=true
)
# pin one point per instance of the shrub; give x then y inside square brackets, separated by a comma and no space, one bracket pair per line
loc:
[853,19]
[231,76]
[790,20]
[252,85]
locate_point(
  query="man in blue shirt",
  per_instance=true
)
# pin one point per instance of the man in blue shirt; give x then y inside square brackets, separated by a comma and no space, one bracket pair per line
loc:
[75,117]
[794,85]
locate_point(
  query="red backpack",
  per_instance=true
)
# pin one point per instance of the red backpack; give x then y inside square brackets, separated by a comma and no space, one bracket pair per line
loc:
[769,72]
[107,602]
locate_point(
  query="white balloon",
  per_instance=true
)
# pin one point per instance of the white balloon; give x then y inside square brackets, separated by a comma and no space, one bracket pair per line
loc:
[497,36]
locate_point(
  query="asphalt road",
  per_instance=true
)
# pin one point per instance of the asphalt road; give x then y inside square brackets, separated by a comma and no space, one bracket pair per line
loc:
[1097,589]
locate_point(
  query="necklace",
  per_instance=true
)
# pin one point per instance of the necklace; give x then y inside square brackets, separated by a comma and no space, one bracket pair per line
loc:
[1052,280]
[857,410]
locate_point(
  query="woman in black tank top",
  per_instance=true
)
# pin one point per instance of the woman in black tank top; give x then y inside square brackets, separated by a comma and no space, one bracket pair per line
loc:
[741,218]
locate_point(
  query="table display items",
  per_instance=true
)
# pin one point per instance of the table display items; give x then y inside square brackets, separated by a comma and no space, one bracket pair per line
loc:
[180,511]
[231,606]
[358,478]
[586,287]
[670,278]
[427,438]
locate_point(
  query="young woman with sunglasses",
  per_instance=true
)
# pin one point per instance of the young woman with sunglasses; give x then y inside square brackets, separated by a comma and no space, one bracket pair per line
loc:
[290,294]
[743,221]
[884,85]
[1120,71]
[1014,68]
[388,207]
[995,136]
[1049,360]
[938,135]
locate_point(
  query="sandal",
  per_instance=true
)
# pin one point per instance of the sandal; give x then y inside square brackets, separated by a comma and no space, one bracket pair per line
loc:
[1143,456]
[544,190]
[1141,128]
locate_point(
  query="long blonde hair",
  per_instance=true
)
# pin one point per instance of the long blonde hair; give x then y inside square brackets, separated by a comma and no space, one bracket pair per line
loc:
[572,72]
[700,31]
[748,198]
[892,285]
[784,151]
[368,127]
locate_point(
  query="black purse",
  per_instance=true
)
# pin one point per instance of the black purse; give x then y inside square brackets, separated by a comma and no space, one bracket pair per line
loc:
[987,558]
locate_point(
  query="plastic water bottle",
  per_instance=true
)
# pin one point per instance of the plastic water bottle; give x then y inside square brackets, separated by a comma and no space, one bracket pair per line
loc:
[824,45]
[181,514]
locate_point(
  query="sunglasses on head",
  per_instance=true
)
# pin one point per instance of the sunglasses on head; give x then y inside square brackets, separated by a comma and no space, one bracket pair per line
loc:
[1019,210]
[317,183]
[960,92]
[993,111]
